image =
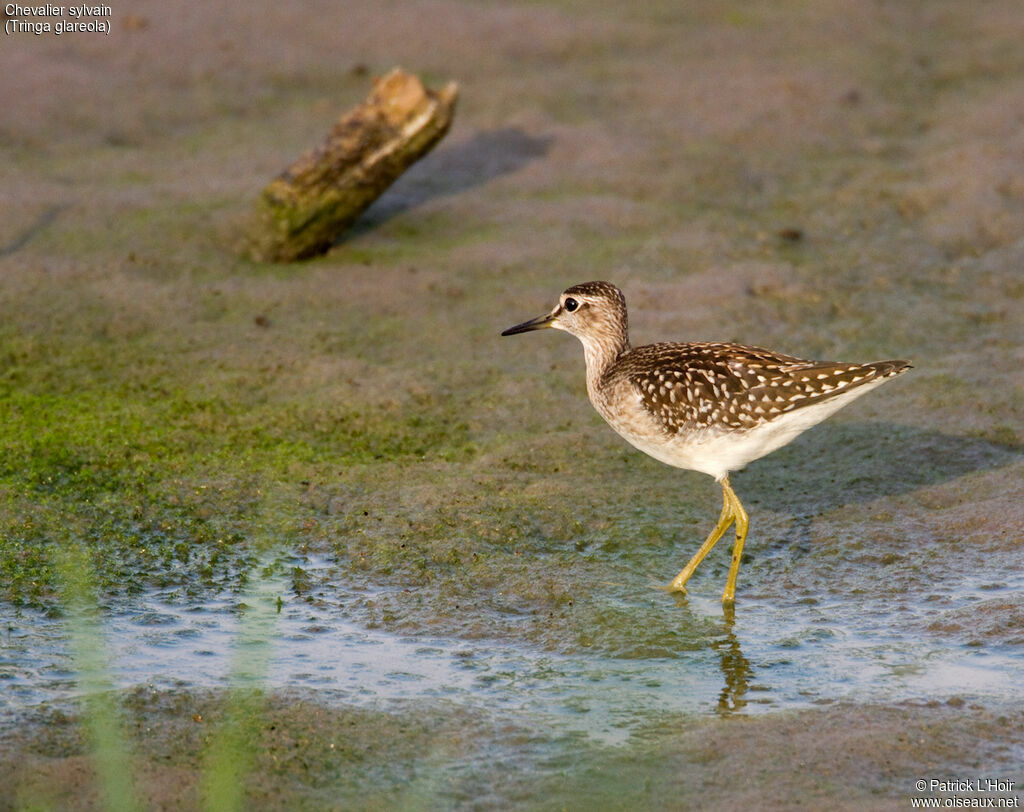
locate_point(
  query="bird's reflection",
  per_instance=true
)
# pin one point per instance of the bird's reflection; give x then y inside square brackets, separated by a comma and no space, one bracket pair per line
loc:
[735,667]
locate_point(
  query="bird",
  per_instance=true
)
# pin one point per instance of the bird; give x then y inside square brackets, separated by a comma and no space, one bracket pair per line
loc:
[703,406]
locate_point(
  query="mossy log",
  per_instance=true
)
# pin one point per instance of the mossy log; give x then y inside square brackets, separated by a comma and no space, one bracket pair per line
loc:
[303,211]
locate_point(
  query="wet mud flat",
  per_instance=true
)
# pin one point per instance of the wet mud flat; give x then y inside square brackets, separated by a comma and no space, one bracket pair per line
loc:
[462,555]
[305,754]
[326,710]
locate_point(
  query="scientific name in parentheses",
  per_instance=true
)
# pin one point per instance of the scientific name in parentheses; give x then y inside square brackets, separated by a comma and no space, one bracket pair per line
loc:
[61,26]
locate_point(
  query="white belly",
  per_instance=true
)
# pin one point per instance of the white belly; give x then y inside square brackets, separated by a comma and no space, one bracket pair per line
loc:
[716,452]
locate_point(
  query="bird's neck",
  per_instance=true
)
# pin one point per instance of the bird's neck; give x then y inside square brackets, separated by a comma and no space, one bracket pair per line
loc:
[601,352]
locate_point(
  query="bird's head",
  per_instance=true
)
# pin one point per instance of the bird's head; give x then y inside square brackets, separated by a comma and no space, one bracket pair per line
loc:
[593,312]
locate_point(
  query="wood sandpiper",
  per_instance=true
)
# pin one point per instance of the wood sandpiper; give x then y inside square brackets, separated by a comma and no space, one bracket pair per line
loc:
[703,406]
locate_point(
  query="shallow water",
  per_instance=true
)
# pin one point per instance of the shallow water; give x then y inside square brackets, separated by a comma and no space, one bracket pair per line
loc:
[770,657]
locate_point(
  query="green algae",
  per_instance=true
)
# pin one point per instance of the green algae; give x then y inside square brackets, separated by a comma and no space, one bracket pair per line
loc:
[160,482]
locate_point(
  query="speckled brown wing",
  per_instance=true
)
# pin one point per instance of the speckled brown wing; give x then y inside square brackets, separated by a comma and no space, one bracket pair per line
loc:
[689,387]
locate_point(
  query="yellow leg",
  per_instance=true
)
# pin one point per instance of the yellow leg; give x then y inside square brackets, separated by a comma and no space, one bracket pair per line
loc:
[742,523]
[729,502]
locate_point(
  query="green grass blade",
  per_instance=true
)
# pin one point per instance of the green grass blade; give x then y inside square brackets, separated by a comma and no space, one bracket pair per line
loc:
[110,751]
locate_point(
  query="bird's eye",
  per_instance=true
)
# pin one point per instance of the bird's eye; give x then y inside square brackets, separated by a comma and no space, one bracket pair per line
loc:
[571,305]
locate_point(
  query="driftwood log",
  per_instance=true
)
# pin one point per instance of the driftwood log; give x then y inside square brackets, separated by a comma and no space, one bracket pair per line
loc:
[303,211]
